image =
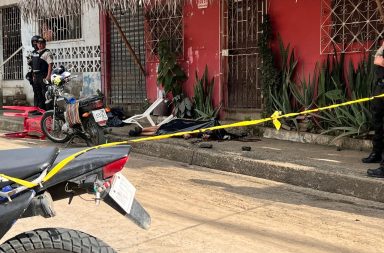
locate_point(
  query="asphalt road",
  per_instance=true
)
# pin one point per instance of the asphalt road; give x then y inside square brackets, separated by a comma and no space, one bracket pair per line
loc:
[195,209]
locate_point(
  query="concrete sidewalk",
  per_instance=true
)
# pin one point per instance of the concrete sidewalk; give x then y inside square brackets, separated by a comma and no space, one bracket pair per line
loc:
[308,165]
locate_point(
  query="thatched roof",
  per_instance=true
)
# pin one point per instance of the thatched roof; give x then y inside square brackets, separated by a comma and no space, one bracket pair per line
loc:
[48,8]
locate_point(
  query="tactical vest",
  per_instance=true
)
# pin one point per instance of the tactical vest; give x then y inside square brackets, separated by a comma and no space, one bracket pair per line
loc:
[38,64]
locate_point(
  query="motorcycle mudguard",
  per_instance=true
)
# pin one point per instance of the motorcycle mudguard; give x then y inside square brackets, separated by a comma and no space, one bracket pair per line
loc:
[10,212]
[138,214]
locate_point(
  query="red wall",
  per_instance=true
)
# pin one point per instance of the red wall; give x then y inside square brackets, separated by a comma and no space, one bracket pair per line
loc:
[201,47]
[298,23]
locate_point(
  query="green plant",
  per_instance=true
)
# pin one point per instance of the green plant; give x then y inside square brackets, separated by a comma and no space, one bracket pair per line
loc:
[331,84]
[182,106]
[282,97]
[169,73]
[304,94]
[353,120]
[203,90]
[270,77]
[171,77]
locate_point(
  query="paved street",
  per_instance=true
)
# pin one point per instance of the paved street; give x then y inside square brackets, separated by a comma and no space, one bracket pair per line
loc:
[194,209]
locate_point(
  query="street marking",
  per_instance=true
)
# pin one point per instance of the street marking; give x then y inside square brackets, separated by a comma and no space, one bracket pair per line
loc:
[278,149]
[325,160]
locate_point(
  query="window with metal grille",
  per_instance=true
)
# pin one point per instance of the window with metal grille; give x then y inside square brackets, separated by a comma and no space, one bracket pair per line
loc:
[66,27]
[350,25]
[165,24]
[11,38]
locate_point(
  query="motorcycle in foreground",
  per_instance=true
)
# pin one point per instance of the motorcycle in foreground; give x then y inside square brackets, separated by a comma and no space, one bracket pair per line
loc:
[96,171]
[69,118]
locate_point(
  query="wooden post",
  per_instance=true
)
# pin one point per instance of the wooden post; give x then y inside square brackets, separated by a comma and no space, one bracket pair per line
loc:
[380,8]
[128,45]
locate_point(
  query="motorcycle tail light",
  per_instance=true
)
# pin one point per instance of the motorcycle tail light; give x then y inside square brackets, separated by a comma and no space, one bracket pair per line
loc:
[112,168]
[85,115]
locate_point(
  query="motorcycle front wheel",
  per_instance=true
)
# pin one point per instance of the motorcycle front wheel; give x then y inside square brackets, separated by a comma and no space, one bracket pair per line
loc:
[95,133]
[55,240]
[53,130]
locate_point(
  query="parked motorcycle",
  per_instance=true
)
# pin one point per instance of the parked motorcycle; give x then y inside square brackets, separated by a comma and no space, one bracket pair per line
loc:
[97,171]
[85,118]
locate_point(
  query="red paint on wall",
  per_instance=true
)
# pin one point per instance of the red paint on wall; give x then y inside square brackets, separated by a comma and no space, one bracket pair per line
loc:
[298,23]
[201,47]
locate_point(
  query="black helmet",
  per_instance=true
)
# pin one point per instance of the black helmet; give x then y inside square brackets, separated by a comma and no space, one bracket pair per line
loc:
[58,71]
[41,39]
[34,39]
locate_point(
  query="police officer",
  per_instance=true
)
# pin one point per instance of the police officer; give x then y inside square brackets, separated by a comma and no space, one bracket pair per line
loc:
[42,62]
[29,75]
[377,107]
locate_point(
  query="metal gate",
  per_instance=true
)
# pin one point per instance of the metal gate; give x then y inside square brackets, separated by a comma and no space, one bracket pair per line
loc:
[127,81]
[243,18]
[11,42]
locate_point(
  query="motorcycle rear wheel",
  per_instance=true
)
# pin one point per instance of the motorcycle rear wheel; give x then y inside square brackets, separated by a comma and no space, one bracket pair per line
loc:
[55,240]
[56,136]
[95,132]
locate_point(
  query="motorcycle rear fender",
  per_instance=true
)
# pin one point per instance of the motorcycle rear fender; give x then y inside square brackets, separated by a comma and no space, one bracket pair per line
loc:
[10,212]
[137,214]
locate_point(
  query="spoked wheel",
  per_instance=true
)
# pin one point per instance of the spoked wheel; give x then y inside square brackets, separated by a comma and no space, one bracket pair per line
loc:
[95,132]
[55,240]
[53,130]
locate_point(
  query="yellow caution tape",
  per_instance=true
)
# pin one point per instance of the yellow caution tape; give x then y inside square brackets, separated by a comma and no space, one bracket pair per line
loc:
[274,118]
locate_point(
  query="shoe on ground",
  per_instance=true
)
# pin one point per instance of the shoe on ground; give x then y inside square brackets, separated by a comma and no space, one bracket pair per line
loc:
[379,172]
[372,158]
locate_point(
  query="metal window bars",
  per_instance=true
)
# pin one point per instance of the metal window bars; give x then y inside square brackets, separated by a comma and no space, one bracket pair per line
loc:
[163,23]
[349,26]
[67,27]
[11,39]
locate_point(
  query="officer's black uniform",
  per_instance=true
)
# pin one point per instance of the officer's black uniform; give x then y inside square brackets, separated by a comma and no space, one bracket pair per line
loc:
[378,115]
[40,71]
[378,122]
[29,75]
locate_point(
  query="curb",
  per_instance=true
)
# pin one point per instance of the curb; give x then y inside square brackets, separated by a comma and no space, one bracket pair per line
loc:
[304,176]
[327,140]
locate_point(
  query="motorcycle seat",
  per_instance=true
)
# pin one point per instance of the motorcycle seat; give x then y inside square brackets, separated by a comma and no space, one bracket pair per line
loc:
[26,162]
[85,101]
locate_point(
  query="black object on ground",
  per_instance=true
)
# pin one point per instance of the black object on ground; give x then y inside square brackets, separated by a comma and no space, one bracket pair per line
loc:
[135,132]
[182,125]
[205,145]
[246,148]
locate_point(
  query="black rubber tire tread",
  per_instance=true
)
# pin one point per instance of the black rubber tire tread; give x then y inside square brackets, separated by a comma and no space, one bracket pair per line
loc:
[48,114]
[96,132]
[55,240]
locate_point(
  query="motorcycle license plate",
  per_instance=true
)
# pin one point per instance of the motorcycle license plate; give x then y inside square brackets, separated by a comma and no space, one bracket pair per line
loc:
[100,115]
[122,192]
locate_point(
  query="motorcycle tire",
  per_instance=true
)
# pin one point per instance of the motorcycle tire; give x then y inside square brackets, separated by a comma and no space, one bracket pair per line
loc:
[95,132]
[55,240]
[48,115]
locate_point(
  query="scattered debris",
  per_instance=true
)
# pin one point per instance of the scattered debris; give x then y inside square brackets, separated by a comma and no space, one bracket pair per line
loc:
[205,145]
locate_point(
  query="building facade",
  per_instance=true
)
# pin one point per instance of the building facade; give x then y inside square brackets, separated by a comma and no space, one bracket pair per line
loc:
[223,35]
[220,34]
